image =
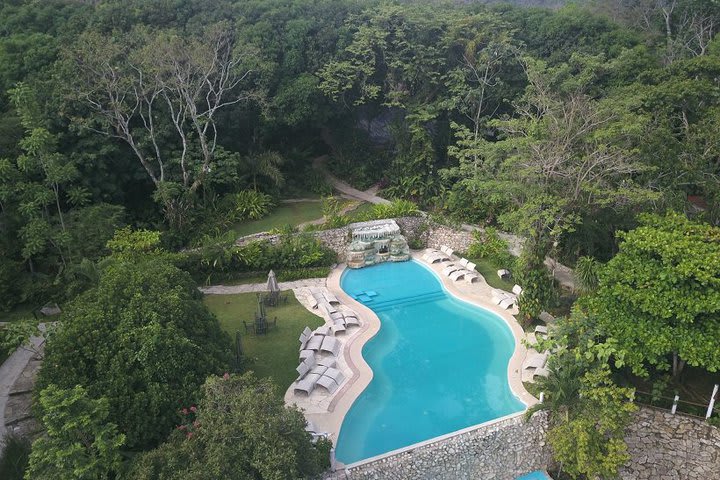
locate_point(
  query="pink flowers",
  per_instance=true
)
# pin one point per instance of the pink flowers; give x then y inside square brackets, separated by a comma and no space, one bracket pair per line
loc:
[193,409]
[226,376]
[184,411]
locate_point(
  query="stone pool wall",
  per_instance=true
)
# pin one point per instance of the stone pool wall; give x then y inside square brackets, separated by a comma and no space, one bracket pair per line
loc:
[671,447]
[503,450]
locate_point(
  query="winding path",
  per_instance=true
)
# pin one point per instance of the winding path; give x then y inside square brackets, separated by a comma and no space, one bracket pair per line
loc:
[261,287]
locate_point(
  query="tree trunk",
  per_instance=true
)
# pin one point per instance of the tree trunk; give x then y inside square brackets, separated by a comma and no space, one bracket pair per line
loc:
[678,365]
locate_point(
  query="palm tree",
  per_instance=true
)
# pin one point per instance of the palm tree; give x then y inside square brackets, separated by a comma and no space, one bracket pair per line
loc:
[266,164]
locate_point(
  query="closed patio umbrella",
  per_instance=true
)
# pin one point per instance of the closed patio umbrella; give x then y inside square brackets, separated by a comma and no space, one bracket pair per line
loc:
[272,283]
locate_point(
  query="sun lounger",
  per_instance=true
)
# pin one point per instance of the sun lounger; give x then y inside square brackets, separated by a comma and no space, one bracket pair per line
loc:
[506,303]
[328,384]
[450,269]
[336,375]
[324,330]
[338,328]
[542,330]
[470,266]
[302,369]
[464,262]
[351,320]
[314,343]
[314,432]
[457,275]
[305,354]
[447,251]
[330,345]
[547,318]
[437,258]
[471,277]
[535,360]
[517,290]
[331,298]
[327,362]
[503,273]
[307,384]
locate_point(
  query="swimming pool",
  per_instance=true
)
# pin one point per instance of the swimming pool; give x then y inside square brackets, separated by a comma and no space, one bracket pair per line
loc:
[439,364]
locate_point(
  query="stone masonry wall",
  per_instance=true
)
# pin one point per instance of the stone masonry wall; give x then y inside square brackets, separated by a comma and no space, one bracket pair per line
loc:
[671,447]
[501,451]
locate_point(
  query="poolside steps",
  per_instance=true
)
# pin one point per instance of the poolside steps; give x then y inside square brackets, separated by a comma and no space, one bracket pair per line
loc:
[379,305]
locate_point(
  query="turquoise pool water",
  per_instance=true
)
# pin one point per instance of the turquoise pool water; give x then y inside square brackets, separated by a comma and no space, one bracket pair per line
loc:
[439,364]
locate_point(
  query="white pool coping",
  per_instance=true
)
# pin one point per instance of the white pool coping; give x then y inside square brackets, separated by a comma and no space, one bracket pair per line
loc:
[360,373]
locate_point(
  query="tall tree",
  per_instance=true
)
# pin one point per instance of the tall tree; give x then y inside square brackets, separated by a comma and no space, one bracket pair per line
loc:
[659,297]
[160,93]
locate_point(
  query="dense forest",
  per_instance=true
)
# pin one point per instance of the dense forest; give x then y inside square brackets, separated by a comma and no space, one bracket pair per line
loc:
[130,127]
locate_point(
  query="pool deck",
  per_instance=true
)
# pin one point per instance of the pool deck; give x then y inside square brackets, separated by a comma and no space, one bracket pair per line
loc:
[327,412]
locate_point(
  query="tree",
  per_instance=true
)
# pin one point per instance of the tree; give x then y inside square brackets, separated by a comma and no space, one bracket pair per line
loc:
[143,339]
[242,430]
[589,440]
[79,441]
[143,88]
[659,297]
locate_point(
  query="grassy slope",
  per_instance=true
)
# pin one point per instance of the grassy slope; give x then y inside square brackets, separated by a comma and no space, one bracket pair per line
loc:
[285,214]
[273,355]
[489,271]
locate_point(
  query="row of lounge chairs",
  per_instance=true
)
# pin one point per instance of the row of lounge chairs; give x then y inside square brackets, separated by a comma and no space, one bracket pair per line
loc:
[462,270]
[313,374]
[319,340]
[342,320]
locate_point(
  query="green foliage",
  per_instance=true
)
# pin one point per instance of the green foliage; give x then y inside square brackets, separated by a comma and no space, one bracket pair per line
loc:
[589,441]
[14,457]
[243,430]
[79,441]
[143,339]
[660,295]
[129,241]
[395,209]
[251,205]
[538,290]
[586,274]
[487,244]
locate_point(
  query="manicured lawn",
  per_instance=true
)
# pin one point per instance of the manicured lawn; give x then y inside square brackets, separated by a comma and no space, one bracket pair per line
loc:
[275,354]
[284,214]
[358,213]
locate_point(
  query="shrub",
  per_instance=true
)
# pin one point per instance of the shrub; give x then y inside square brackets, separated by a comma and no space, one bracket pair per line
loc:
[14,457]
[252,205]
[489,246]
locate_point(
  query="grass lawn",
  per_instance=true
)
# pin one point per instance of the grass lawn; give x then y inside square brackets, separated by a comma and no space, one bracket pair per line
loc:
[360,211]
[275,354]
[489,271]
[293,213]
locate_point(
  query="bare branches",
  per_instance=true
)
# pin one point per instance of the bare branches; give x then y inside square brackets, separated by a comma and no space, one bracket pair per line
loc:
[143,86]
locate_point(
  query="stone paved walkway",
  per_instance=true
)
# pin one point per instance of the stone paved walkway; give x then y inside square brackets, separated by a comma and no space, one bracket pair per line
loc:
[10,371]
[261,287]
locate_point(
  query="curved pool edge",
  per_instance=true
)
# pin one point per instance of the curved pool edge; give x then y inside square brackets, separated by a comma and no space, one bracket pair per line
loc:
[362,374]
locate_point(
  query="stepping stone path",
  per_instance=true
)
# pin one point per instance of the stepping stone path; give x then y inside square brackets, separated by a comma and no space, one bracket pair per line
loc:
[261,287]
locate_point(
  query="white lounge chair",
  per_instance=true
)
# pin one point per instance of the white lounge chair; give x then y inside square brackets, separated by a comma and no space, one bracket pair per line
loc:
[471,277]
[506,303]
[535,360]
[328,384]
[517,290]
[336,375]
[338,328]
[503,273]
[457,275]
[315,343]
[331,298]
[307,384]
[330,345]
[470,266]
[304,354]
[464,261]
[437,258]
[450,269]
[351,320]
[542,330]
[324,330]
[302,369]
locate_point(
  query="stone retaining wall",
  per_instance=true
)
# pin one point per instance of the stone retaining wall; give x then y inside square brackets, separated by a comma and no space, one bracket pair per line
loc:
[503,450]
[671,447]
